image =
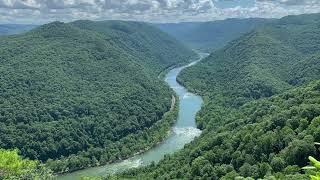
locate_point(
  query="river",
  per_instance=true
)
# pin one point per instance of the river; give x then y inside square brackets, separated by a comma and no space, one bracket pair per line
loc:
[183,132]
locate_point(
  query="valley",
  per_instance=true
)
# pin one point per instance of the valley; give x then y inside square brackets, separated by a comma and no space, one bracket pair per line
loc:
[260,111]
[73,97]
[183,132]
[237,98]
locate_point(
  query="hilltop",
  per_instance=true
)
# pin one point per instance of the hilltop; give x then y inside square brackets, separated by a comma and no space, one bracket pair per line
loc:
[79,97]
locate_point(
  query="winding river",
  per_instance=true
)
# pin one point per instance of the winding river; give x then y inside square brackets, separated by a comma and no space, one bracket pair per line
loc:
[183,132]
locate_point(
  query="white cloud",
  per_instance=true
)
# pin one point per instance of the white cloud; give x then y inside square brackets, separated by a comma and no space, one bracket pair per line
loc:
[41,11]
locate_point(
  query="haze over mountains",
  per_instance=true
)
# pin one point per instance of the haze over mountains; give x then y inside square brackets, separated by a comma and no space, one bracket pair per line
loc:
[261,112]
[7,29]
[212,35]
[86,93]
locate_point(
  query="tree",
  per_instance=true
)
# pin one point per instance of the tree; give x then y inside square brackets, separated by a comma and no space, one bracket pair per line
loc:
[13,166]
[198,164]
[278,164]
[298,151]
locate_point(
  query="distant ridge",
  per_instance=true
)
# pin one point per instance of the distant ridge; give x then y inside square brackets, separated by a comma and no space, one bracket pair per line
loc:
[261,113]
[212,35]
[8,29]
[79,94]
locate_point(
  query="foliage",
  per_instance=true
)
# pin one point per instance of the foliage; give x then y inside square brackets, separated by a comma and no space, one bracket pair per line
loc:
[265,62]
[76,97]
[261,114]
[13,166]
[209,36]
[314,169]
[153,48]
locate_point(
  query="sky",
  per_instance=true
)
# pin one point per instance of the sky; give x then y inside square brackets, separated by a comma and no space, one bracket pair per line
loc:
[42,11]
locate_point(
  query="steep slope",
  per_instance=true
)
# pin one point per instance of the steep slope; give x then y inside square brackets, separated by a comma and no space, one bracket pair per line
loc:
[154,48]
[261,109]
[75,94]
[261,63]
[210,36]
[7,29]
[306,70]
[268,138]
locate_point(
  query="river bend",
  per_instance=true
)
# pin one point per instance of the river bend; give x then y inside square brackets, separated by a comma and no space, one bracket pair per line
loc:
[183,132]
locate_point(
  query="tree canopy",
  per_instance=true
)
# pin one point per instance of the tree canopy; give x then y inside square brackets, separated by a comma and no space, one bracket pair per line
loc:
[77,96]
[211,35]
[261,113]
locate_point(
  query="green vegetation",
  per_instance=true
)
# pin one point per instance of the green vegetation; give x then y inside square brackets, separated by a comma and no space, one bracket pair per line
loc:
[315,166]
[267,137]
[13,166]
[261,115]
[209,36]
[153,48]
[78,97]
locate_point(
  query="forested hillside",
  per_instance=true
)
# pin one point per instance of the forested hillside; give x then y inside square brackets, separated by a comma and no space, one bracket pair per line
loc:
[152,47]
[83,97]
[263,138]
[261,112]
[261,63]
[212,35]
[7,29]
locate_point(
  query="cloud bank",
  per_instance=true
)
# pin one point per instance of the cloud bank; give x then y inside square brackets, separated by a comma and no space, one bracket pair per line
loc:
[41,11]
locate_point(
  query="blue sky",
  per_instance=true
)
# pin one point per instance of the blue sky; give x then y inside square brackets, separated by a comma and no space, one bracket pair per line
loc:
[42,11]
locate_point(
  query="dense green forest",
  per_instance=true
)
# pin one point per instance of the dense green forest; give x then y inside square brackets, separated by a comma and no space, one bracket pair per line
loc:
[8,29]
[152,47]
[267,137]
[76,96]
[261,114]
[212,35]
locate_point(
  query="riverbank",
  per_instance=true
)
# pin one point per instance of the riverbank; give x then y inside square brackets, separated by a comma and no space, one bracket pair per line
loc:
[183,132]
[156,130]
[148,139]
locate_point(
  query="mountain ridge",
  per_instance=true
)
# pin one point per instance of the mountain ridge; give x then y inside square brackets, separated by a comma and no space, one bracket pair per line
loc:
[261,107]
[211,35]
[82,97]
